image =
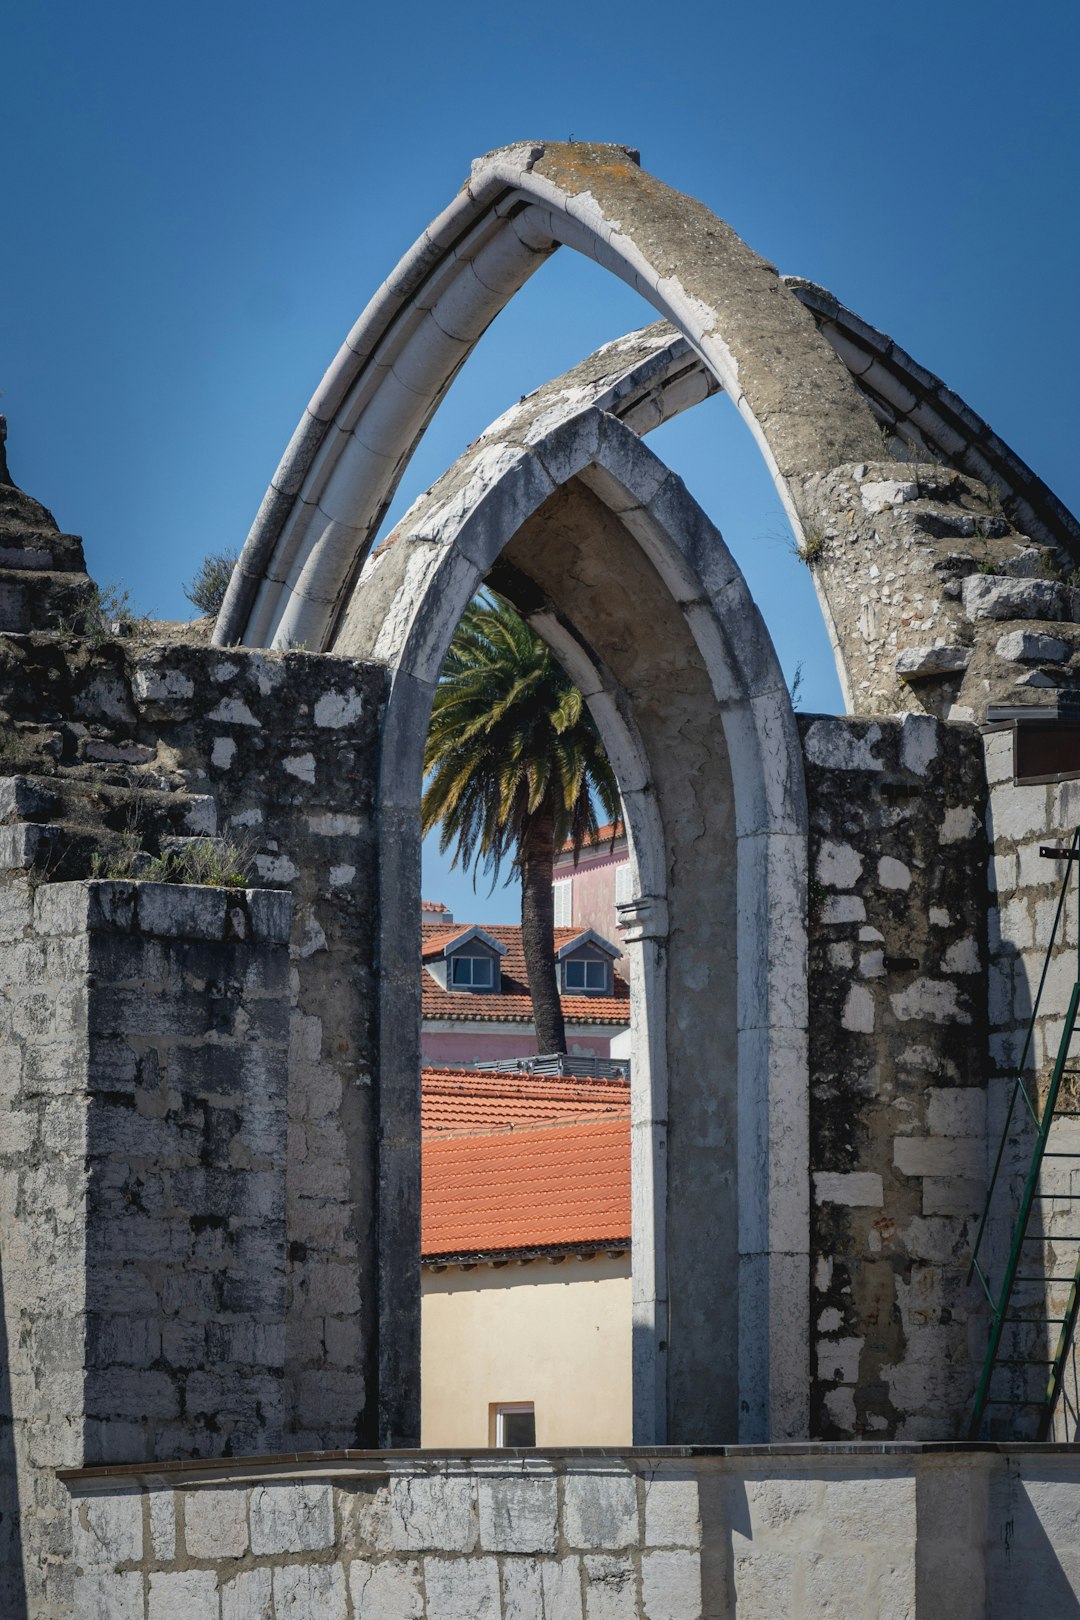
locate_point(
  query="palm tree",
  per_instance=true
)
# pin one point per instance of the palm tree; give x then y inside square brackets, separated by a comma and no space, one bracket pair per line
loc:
[515,767]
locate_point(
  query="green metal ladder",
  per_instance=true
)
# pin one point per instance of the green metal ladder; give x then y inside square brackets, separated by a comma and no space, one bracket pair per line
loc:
[1019,1326]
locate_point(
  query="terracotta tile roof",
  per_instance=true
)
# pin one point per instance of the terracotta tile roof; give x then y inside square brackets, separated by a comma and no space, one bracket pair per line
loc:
[433,905]
[549,1187]
[512,1005]
[604,835]
[468,1102]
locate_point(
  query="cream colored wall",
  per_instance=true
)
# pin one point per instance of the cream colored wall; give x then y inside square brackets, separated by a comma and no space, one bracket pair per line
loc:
[556,1335]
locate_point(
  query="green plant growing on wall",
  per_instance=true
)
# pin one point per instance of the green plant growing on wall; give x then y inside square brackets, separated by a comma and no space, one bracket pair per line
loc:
[207,590]
[811,548]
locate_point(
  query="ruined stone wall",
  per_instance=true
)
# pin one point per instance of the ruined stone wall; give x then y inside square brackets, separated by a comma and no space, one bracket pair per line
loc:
[897,1073]
[1024,893]
[142,1190]
[736,1533]
[127,750]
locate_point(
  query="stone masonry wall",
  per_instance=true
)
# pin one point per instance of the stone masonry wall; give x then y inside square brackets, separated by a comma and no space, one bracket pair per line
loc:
[125,742]
[742,1533]
[897,1107]
[145,1039]
[1025,889]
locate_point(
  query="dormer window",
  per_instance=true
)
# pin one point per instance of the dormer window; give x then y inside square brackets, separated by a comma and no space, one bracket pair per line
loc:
[582,975]
[468,972]
[585,964]
[468,960]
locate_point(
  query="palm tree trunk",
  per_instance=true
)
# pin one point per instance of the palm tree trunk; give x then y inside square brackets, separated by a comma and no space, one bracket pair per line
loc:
[536,856]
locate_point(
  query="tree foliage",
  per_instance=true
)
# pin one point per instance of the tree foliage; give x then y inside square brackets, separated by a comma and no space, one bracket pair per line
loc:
[516,768]
[510,739]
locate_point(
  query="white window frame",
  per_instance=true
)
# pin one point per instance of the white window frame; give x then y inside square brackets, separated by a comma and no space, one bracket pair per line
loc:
[600,969]
[504,1409]
[459,959]
[562,891]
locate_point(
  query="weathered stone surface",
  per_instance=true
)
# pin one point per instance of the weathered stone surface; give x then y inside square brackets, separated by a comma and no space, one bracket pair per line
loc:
[517,1516]
[1028,646]
[191,1592]
[919,663]
[215,1523]
[291,1518]
[993,596]
[380,1590]
[599,1509]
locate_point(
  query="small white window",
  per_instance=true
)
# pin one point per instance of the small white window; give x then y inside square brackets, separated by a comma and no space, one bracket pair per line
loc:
[623,884]
[515,1424]
[472,972]
[563,893]
[581,974]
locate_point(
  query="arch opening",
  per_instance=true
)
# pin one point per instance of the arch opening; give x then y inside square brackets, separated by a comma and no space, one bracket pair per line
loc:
[617,569]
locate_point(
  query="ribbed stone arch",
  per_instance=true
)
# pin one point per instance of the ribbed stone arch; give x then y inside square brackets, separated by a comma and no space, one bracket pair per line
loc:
[322,512]
[679,660]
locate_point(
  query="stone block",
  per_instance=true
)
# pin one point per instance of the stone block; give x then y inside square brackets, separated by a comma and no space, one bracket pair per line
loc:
[610,1588]
[547,1587]
[309,1592]
[163,1524]
[296,1516]
[765,1585]
[215,1522]
[956,1111]
[995,596]
[1028,646]
[390,1589]
[937,658]
[672,1512]
[248,1596]
[517,1514]
[110,1597]
[192,1593]
[600,1509]
[940,1156]
[436,1511]
[462,1588]
[839,866]
[873,1510]
[671,1585]
[182,911]
[23,798]
[108,1530]
[858,1189]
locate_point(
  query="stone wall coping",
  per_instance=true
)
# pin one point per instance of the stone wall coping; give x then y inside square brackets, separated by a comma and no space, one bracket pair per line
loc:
[192,1471]
[165,910]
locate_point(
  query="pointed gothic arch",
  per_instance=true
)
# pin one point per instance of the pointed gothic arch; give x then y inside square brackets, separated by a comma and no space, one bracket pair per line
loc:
[658,628]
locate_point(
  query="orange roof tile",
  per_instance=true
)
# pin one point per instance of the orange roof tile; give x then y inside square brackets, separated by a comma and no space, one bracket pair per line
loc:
[469,1102]
[513,1004]
[433,905]
[558,1186]
[604,835]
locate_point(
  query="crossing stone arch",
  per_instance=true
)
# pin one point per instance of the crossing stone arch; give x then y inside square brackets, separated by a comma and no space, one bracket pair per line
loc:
[600,545]
[331,491]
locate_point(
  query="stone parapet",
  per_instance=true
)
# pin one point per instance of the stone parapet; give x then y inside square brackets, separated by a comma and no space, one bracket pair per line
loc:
[725,1533]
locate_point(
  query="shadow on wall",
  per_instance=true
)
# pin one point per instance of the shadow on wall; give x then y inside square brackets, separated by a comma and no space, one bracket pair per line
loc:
[1029,1577]
[12,1583]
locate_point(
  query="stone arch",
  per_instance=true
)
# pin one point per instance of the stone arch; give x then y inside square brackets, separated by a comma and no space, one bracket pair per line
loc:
[528,515]
[322,511]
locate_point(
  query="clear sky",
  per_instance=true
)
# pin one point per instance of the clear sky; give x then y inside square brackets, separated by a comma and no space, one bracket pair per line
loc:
[198,201]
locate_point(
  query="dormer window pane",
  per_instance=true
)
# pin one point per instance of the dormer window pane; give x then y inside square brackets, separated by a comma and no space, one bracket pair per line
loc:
[585,975]
[472,972]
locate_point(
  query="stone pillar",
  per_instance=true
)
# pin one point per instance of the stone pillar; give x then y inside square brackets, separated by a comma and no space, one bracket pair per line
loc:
[142,1192]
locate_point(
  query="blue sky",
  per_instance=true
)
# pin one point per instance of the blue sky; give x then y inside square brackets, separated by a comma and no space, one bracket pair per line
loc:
[199,200]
